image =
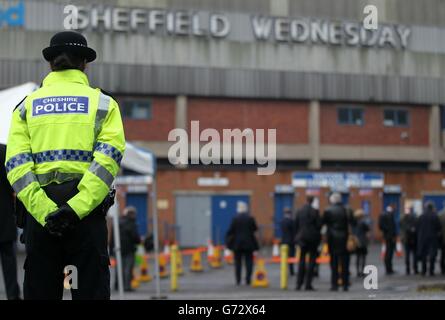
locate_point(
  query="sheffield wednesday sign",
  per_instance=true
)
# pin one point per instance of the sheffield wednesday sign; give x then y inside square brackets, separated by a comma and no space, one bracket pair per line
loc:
[208,25]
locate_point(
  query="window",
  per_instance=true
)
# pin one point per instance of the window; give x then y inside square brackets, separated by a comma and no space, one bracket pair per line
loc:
[137,109]
[395,117]
[350,115]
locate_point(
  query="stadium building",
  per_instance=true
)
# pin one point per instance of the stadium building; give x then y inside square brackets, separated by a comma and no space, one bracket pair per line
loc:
[356,110]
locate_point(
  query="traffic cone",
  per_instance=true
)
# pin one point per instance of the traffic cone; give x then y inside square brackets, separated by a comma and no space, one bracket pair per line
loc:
[276,251]
[210,250]
[260,279]
[113,262]
[383,251]
[228,256]
[196,264]
[399,250]
[324,254]
[134,281]
[215,260]
[144,276]
[163,272]
[166,248]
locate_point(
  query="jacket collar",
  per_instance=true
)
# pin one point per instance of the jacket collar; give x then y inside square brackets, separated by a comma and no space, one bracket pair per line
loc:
[70,75]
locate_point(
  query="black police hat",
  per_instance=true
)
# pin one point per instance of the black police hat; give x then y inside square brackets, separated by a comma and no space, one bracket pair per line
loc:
[69,41]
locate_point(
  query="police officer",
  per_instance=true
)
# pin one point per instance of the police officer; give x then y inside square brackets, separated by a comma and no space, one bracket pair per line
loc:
[64,150]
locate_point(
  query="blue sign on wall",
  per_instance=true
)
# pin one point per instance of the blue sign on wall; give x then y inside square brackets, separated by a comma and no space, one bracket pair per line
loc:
[12,16]
[337,180]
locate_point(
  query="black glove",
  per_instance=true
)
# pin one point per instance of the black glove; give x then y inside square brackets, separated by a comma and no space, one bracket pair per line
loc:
[62,220]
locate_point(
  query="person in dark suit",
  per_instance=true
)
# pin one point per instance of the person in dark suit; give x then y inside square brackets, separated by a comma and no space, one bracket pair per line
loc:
[336,219]
[288,235]
[387,225]
[361,231]
[129,236]
[408,233]
[241,239]
[429,230]
[307,227]
[8,232]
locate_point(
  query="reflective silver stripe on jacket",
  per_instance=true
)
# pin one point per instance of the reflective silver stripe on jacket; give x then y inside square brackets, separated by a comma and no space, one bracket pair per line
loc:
[24,181]
[22,110]
[56,176]
[101,172]
[102,111]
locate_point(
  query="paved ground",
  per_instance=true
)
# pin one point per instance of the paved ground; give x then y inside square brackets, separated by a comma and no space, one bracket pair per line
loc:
[219,284]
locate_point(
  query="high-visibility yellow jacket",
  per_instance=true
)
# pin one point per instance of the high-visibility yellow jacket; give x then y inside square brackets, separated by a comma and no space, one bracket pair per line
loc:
[63,131]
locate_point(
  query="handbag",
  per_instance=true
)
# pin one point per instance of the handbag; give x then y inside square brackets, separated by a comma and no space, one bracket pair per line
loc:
[352,243]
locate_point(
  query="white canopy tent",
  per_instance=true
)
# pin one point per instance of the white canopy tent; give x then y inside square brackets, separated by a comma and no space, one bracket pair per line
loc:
[136,159]
[9,99]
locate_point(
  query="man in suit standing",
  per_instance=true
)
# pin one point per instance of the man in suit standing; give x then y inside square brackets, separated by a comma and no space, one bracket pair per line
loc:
[288,235]
[428,235]
[241,239]
[8,232]
[336,219]
[387,225]
[307,227]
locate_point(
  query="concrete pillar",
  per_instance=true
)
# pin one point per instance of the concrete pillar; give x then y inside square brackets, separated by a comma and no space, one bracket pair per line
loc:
[314,135]
[434,133]
[181,112]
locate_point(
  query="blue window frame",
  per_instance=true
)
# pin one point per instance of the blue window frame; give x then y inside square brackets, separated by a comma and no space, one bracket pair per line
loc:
[140,109]
[350,116]
[393,117]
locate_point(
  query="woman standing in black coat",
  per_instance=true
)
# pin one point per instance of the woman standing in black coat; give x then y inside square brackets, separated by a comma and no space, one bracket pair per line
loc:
[361,231]
[240,238]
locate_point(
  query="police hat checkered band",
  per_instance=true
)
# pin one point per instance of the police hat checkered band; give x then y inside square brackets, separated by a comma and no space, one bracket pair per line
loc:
[109,151]
[18,160]
[72,44]
[63,155]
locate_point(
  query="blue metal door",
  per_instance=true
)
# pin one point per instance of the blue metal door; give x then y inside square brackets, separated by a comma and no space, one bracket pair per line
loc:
[437,199]
[345,198]
[394,199]
[223,210]
[281,201]
[139,201]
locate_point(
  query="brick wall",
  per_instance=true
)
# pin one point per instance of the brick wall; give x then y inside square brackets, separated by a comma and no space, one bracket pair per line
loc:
[156,128]
[373,132]
[289,118]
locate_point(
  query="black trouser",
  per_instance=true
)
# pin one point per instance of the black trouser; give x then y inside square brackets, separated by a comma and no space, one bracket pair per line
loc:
[389,253]
[248,258]
[302,272]
[411,252]
[342,261]
[9,266]
[85,248]
[128,265]
[442,259]
[360,261]
[428,255]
